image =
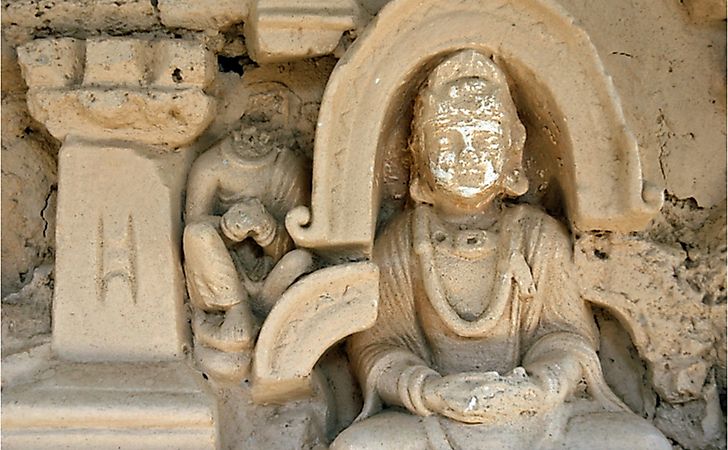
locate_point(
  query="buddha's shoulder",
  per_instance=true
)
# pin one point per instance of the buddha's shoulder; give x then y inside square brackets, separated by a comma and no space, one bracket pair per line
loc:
[396,235]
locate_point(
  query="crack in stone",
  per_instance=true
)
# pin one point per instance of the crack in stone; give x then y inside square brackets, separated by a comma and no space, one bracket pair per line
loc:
[54,188]
[663,136]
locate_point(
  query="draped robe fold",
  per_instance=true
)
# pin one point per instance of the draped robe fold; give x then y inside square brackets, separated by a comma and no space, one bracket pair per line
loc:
[533,271]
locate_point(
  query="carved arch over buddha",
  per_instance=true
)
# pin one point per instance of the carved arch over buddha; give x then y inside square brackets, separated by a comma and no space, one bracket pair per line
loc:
[579,150]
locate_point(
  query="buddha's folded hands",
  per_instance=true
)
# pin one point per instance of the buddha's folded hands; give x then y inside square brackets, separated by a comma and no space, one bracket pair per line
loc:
[475,397]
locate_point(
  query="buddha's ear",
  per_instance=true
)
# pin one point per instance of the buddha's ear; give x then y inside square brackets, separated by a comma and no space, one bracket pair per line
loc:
[420,191]
[516,183]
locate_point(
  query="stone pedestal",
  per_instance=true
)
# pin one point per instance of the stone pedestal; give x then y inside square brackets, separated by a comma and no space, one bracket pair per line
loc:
[111,405]
[126,110]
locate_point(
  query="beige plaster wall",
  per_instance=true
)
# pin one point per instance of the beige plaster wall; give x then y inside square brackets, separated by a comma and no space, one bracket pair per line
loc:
[669,68]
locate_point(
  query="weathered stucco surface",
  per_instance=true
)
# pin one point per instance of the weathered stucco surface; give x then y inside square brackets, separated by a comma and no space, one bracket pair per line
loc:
[659,294]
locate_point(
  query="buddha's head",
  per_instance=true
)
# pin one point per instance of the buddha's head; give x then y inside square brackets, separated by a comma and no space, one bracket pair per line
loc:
[467,139]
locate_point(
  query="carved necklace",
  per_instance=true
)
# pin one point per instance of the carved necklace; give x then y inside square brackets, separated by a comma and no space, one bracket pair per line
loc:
[437,293]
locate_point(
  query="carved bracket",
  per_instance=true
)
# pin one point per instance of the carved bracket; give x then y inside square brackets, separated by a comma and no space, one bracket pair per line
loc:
[311,316]
[280,30]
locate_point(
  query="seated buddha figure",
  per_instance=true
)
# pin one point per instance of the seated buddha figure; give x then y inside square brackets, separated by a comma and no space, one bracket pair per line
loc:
[482,340]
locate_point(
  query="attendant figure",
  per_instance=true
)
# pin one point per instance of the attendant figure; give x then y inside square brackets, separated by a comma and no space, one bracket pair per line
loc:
[239,257]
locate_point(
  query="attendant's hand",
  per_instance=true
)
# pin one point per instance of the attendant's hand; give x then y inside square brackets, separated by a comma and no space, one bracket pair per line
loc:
[249,218]
[475,397]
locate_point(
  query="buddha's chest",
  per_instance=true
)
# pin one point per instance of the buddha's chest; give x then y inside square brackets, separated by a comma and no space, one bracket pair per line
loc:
[464,263]
[465,277]
[467,304]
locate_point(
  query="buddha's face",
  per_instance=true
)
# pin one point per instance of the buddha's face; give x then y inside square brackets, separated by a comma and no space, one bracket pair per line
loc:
[467,140]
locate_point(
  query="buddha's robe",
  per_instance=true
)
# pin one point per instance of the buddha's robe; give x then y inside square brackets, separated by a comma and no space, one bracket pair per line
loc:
[477,301]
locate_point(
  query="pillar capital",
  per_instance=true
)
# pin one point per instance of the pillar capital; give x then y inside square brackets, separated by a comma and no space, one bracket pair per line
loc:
[149,91]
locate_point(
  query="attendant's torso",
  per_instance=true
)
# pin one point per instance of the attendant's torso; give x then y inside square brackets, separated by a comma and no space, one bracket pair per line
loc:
[243,178]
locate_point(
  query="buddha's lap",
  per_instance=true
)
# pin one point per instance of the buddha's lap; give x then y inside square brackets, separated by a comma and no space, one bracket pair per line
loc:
[612,430]
[593,431]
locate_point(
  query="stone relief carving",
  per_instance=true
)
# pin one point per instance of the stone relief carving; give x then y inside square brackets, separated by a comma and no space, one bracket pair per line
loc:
[480,320]
[239,257]
[429,273]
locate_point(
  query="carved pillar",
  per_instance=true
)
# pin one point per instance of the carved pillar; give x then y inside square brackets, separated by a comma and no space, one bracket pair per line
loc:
[124,109]
[120,107]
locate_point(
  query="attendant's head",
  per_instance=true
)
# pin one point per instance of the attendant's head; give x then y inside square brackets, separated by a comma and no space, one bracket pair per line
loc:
[467,139]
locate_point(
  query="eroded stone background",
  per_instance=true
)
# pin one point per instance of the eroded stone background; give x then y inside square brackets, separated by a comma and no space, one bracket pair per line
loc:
[666,284]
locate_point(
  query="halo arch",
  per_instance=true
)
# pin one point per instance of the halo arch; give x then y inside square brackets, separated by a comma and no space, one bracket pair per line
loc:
[558,78]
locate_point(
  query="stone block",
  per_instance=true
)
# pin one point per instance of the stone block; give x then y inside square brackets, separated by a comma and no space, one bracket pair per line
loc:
[52,63]
[119,292]
[202,14]
[117,61]
[280,30]
[183,63]
[74,16]
[270,45]
[111,406]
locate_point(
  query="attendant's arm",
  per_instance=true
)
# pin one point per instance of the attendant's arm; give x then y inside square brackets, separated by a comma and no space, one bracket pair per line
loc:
[202,185]
[280,244]
[290,187]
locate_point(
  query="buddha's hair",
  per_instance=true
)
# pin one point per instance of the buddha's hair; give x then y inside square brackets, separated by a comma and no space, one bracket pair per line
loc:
[465,64]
